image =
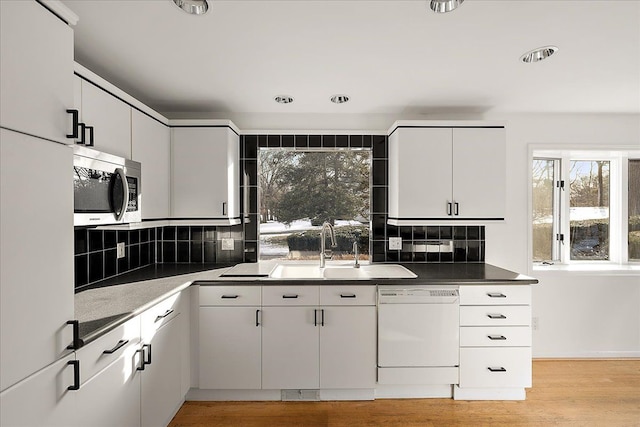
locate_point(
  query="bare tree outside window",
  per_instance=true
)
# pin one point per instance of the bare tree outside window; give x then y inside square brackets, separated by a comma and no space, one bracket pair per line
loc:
[543,209]
[634,210]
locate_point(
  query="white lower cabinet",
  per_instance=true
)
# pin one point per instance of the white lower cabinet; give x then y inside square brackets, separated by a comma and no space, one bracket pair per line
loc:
[43,399]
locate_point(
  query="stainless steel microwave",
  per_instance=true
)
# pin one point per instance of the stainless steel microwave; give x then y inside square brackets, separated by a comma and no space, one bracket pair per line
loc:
[107,189]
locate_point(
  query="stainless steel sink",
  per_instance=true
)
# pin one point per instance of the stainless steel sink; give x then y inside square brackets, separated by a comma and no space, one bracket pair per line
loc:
[340,272]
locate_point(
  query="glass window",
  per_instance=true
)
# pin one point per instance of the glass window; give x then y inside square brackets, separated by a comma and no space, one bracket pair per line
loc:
[634,210]
[589,209]
[544,172]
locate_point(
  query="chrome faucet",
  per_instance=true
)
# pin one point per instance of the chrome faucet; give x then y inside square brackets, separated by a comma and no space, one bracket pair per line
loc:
[355,254]
[323,237]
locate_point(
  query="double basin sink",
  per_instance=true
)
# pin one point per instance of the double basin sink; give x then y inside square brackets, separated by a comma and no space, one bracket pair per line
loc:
[309,271]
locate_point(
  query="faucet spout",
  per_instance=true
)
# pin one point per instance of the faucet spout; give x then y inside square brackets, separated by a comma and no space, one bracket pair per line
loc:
[323,237]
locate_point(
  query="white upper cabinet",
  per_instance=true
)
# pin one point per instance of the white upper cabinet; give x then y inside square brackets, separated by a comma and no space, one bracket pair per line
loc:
[151,146]
[110,119]
[36,254]
[446,173]
[205,173]
[36,70]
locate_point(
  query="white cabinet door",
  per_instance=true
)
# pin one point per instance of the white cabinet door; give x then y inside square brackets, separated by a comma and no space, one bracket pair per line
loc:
[41,399]
[205,173]
[36,70]
[36,254]
[111,397]
[290,348]
[230,348]
[151,146]
[110,118]
[348,347]
[479,176]
[161,379]
[420,165]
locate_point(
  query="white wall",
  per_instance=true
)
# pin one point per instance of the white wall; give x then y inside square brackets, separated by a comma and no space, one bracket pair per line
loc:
[579,314]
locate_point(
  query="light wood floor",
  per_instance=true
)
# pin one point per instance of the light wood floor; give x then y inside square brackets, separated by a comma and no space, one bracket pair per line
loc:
[565,392]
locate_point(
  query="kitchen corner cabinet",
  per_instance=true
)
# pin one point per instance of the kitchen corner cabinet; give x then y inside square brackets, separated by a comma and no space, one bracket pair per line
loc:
[36,70]
[110,119]
[151,146]
[36,254]
[205,173]
[447,173]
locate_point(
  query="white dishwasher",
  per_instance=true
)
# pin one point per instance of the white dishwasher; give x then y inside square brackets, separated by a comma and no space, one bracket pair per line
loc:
[418,327]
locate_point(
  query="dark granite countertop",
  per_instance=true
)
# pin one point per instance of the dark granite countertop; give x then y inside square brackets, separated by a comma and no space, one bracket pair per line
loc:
[108,304]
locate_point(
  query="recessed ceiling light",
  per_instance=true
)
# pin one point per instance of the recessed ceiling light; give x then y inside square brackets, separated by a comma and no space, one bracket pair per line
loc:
[193,7]
[538,54]
[442,6]
[339,99]
[283,99]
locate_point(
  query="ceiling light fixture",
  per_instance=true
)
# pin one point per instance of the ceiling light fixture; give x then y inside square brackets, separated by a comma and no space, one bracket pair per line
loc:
[443,6]
[283,99]
[339,99]
[193,7]
[538,54]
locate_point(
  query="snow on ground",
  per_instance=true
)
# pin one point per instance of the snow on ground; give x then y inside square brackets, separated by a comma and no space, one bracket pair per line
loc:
[273,227]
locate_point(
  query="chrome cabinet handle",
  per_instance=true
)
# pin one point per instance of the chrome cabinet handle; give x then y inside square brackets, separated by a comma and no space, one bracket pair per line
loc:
[117,347]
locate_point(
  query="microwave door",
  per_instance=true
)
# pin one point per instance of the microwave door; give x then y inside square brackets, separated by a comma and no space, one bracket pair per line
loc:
[119,194]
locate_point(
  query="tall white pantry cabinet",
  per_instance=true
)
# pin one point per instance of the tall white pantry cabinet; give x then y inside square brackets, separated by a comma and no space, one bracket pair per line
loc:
[36,196]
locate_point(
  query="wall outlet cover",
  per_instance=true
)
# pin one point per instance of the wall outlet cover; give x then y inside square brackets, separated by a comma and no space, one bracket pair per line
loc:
[227,244]
[395,243]
[120,250]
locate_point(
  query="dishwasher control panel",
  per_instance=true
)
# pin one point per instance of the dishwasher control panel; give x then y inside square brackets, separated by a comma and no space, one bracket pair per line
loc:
[417,296]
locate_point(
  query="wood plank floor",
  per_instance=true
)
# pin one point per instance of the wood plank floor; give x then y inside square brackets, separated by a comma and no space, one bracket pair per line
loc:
[565,392]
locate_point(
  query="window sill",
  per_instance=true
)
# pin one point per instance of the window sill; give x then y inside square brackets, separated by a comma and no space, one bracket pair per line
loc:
[632,269]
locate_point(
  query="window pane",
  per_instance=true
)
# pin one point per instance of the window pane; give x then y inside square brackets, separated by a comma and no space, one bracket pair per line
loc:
[634,210]
[301,190]
[589,210]
[543,179]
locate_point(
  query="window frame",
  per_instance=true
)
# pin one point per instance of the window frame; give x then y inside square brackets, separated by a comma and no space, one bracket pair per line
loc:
[619,158]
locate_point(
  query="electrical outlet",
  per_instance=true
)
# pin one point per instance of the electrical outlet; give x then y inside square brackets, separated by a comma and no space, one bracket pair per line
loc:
[227,244]
[120,250]
[535,323]
[395,243]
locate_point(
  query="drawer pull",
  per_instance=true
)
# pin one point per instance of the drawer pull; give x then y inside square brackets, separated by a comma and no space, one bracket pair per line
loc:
[497,337]
[229,296]
[496,316]
[496,295]
[500,369]
[162,316]
[347,295]
[290,296]
[118,346]
[257,317]
[76,375]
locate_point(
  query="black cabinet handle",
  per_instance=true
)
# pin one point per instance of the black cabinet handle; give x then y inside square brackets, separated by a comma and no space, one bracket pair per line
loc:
[322,317]
[500,369]
[117,347]
[257,317]
[496,316]
[448,208]
[83,134]
[162,316]
[456,209]
[224,208]
[496,295]
[90,143]
[148,359]
[75,123]
[315,317]
[290,296]
[347,295]
[142,364]
[76,343]
[76,375]
[229,296]
[497,337]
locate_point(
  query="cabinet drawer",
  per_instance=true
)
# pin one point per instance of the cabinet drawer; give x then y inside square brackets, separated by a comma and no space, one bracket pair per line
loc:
[156,316]
[347,295]
[290,295]
[229,295]
[517,315]
[98,354]
[495,336]
[495,295]
[495,367]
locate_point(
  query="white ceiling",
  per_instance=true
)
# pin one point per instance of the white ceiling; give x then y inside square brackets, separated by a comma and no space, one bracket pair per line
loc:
[390,57]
